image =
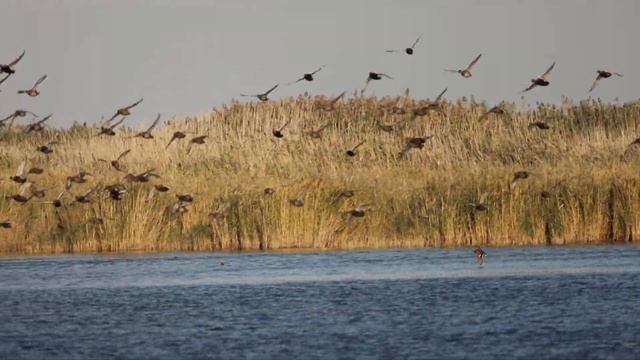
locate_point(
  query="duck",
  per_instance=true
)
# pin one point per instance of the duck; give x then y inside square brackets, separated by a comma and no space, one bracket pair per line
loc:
[480,254]
[540,80]
[308,76]
[263,96]
[603,74]
[10,67]
[409,50]
[466,72]
[33,91]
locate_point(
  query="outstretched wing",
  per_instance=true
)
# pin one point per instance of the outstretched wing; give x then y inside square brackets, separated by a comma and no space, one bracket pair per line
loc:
[155,122]
[14,62]
[4,78]
[441,95]
[416,42]
[20,170]
[270,90]
[117,123]
[385,75]
[595,83]
[546,73]
[124,153]
[39,81]
[318,69]
[45,119]
[529,88]
[473,62]
[134,104]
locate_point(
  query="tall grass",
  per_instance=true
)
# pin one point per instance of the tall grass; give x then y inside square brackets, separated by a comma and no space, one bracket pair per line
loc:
[583,163]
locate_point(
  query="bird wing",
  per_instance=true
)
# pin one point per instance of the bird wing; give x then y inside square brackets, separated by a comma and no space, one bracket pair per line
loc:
[529,88]
[441,95]
[318,69]
[359,144]
[270,90]
[5,78]
[595,83]
[124,153]
[473,62]
[155,123]
[44,119]
[392,51]
[385,75]
[416,42]
[337,98]
[285,125]
[546,73]
[14,62]
[23,189]
[39,81]
[293,82]
[20,170]
[613,72]
[134,104]
[451,70]
[117,123]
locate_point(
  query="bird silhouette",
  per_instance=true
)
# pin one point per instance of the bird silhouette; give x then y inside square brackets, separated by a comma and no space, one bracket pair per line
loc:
[308,76]
[409,50]
[298,201]
[480,254]
[466,72]
[147,133]
[79,178]
[33,91]
[373,76]
[481,204]
[38,125]
[10,67]
[354,150]
[124,111]
[331,105]
[109,129]
[497,110]
[317,133]
[176,136]
[198,140]
[278,133]
[263,96]
[115,163]
[540,80]
[414,143]
[46,148]
[603,74]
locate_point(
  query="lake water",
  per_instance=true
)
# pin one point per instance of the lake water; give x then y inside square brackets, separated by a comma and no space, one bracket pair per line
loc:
[529,303]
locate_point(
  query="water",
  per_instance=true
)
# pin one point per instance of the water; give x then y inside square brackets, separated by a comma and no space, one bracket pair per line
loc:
[546,302]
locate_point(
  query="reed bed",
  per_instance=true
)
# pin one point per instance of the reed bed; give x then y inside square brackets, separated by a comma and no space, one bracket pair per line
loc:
[583,187]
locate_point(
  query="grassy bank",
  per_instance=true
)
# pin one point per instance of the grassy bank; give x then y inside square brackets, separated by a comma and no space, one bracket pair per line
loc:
[583,183]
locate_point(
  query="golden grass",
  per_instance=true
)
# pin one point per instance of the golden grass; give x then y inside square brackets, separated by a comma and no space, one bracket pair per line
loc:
[584,161]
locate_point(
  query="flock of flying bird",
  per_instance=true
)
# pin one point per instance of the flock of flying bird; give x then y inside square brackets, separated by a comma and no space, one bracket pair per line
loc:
[116,191]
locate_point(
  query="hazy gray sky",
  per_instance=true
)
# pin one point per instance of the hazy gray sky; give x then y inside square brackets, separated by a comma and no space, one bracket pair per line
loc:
[187,56]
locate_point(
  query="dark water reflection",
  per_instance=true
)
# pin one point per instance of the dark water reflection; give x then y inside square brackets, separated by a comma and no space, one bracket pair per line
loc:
[531,303]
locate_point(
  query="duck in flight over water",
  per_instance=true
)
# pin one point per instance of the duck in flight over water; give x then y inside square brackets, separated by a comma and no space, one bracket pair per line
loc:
[480,254]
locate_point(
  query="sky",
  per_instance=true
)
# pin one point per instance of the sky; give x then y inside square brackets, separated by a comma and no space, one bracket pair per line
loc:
[185,57]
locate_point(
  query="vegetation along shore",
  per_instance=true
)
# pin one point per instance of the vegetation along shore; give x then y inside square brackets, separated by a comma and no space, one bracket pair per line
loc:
[321,172]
